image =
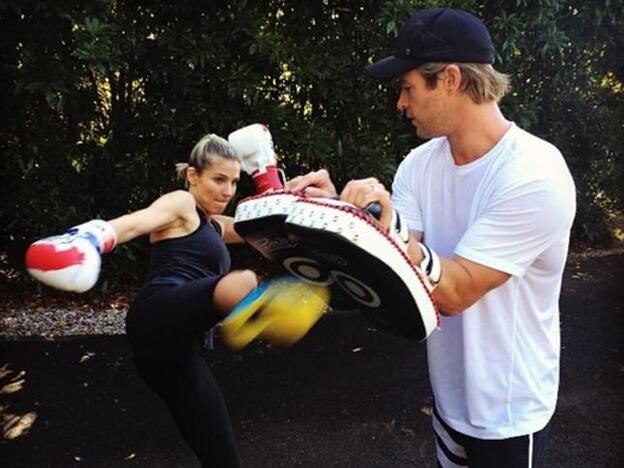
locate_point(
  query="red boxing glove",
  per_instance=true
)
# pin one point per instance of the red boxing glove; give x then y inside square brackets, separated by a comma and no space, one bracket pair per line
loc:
[254,145]
[71,262]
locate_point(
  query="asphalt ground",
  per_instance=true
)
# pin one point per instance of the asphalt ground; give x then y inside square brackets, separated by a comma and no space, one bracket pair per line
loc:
[347,395]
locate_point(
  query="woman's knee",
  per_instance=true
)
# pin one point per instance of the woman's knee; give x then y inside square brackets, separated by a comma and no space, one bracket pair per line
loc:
[245,279]
[233,287]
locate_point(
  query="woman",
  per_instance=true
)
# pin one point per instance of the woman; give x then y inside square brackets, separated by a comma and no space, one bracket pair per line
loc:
[188,290]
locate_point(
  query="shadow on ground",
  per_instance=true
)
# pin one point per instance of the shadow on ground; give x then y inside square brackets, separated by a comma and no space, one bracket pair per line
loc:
[346,396]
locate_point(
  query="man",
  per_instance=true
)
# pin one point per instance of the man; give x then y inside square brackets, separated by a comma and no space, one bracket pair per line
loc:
[492,206]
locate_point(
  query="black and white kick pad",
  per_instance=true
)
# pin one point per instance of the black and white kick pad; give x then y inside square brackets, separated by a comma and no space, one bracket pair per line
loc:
[333,243]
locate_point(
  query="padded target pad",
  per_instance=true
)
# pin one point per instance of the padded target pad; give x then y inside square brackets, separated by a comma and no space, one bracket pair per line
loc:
[366,263]
[334,244]
[260,221]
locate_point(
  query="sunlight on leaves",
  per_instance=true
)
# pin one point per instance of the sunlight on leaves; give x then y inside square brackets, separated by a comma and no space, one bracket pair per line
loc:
[610,81]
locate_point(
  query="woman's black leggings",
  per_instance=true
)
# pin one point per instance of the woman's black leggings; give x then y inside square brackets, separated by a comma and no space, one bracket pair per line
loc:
[165,326]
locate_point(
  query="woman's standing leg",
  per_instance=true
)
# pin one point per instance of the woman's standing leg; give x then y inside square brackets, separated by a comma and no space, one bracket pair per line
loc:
[165,329]
[192,395]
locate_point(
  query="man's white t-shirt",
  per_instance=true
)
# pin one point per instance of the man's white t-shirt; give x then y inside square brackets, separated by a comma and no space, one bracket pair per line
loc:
[494,368]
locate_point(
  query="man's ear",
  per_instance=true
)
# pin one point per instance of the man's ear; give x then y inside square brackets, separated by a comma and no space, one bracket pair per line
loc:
[451,78]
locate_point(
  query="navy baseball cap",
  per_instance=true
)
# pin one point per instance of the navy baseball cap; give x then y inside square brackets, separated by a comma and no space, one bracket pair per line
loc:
[436,35]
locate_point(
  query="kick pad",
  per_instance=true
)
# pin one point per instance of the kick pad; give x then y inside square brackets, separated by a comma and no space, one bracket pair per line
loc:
[366,263]
[334,244]
[260,221]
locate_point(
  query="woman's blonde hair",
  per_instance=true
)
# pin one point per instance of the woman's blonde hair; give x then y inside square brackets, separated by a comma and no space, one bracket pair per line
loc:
[479,80]
[207,150]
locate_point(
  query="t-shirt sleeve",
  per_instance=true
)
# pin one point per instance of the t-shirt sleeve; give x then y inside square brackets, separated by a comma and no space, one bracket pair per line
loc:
[519,224]
[405,197]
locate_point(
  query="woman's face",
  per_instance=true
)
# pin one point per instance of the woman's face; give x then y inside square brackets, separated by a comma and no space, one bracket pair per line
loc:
[215,186]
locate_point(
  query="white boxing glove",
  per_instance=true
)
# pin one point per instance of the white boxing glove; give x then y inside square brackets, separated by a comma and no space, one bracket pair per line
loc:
[71,262]
[255,146]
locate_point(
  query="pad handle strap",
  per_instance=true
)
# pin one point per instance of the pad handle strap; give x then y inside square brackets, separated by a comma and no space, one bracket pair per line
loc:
[430,265]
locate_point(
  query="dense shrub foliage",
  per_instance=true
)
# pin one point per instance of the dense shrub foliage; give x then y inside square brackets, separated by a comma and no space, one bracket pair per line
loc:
[101,98]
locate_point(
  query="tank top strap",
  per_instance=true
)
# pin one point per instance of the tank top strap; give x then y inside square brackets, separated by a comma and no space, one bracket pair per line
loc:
[216,226]
[203,219]
[202,216]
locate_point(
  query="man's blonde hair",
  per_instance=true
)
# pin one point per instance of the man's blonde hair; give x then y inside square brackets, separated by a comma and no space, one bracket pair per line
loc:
[479,80]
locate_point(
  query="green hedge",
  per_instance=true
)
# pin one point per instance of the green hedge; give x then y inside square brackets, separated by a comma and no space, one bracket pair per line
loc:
[101,98]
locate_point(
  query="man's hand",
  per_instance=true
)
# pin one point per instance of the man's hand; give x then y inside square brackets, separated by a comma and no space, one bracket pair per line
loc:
[363,192]
[313,184]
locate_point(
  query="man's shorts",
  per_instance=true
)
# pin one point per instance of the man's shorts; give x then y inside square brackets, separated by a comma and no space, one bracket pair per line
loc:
[455,450]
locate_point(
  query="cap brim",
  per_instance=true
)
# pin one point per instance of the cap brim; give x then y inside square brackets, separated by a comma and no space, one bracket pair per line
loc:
[390,67]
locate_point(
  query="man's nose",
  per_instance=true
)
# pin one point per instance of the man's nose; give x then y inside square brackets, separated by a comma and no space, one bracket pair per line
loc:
[401,103]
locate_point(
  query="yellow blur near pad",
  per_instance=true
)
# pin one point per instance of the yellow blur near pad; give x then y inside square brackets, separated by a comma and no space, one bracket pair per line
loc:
[280,311]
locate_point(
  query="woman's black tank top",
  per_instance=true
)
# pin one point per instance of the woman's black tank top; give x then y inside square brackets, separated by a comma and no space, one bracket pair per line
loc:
[201,254]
